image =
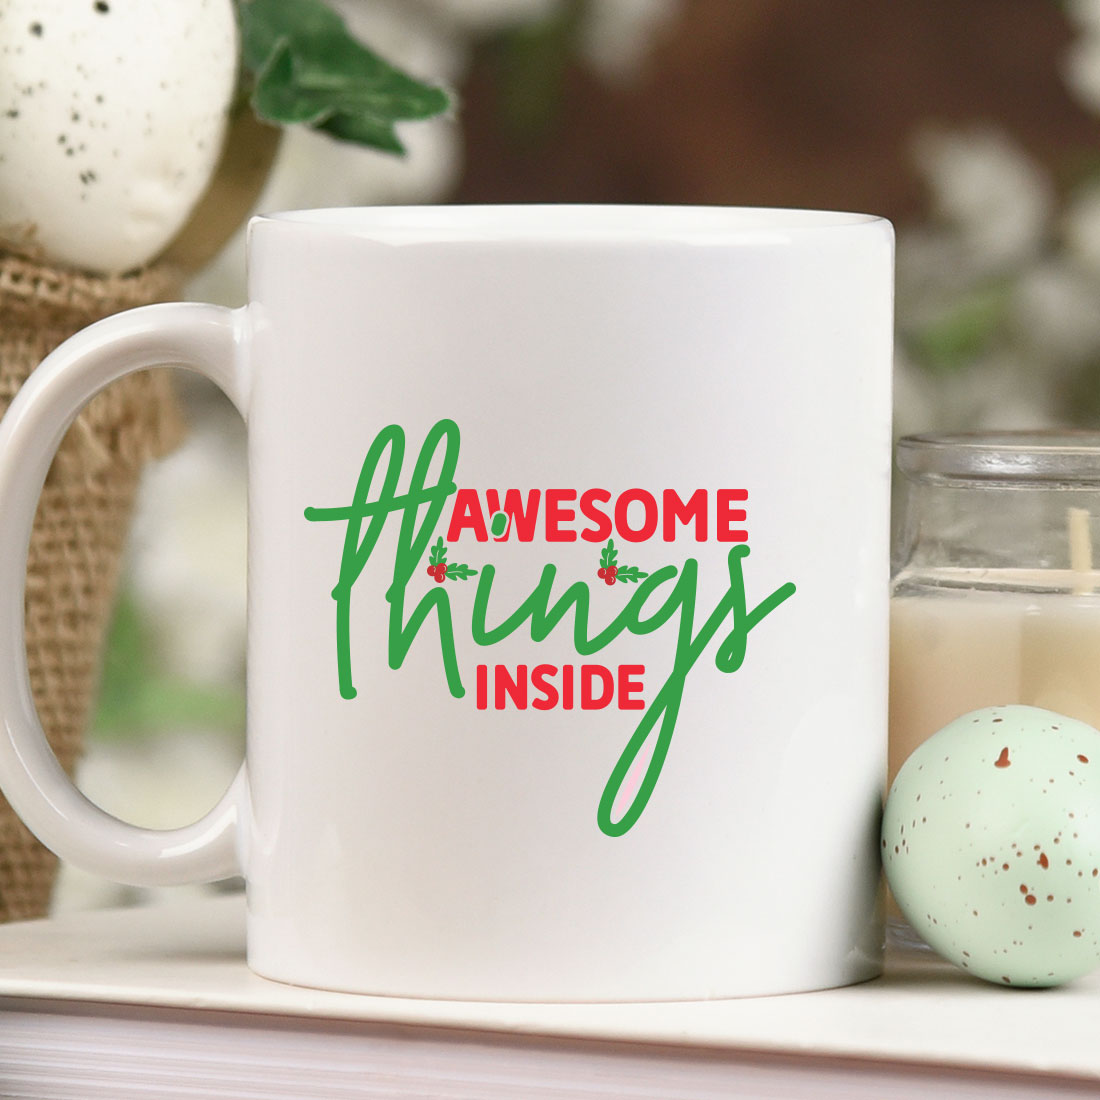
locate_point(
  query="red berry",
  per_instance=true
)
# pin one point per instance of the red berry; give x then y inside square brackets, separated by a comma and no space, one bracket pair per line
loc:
[601,573]
[431,570]
[612,570]
[609,579]
[440,576]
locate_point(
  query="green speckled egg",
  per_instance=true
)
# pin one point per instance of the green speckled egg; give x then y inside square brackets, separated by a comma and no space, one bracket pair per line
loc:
[991,844]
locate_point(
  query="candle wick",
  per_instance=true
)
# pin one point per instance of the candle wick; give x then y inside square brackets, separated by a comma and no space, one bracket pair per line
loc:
[1080,549]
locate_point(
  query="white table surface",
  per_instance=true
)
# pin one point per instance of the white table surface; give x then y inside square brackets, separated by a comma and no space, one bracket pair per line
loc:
[191,956]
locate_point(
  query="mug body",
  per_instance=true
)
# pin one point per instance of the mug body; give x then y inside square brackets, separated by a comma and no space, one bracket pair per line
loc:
[629,743]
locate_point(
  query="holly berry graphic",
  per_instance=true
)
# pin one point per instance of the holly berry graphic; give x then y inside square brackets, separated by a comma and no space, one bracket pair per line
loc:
[440,570]
[610,572]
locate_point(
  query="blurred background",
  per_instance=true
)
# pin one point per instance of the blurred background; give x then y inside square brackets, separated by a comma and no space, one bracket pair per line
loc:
[972,126]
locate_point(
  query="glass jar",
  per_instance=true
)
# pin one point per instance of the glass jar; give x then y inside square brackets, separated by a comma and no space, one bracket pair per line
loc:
[995,598]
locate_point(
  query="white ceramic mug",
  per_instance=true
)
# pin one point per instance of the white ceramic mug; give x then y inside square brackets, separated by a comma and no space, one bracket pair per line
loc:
[606,754]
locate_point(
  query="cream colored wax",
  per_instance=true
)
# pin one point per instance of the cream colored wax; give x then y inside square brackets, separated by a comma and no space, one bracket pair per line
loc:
[953,651]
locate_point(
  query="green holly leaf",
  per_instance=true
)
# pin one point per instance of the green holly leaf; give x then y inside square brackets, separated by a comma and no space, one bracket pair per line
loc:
[459,572]
[609,555]
[630,573]
[439,552]
[307,69]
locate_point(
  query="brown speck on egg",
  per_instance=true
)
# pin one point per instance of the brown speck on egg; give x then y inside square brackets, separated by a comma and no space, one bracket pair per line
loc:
[1082,758]
[1043,861]
[36,29]
[102,6]
[1031,899]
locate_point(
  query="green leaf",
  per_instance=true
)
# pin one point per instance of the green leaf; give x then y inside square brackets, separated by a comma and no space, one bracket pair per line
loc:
[630,573]
[533,63]
[307,69]
[459,572]
[609,555]
[961,334]
[138,698]
[439,552]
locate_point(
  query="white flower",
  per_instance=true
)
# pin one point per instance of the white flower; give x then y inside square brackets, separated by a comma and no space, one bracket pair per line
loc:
[618,34]
[1081,65]
[1081,70]
[1003,392]
[1055,313]
[989,193]
[1081,229]
[1085,13]
[479,16]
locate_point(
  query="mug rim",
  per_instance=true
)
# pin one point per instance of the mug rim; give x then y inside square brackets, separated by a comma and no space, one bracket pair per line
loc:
[616,222]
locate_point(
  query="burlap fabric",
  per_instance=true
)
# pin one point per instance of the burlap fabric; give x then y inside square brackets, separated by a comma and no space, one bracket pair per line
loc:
[82,520]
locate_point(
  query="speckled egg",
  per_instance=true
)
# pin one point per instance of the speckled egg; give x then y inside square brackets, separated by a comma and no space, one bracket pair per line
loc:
[112,114]
[991,845]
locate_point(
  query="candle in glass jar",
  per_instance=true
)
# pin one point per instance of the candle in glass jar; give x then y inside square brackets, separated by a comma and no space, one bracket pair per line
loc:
[995,599]
[953,650]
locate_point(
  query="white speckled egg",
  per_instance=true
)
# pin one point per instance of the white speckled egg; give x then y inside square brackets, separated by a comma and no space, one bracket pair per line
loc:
[112,114]
[991,844]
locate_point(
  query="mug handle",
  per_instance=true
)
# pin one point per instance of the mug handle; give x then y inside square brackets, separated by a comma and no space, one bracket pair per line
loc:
[211,340]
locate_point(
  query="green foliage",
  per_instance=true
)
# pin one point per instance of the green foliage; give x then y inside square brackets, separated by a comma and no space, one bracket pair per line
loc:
[960,335]
[305,68]
[136,697]
[532,65]
[460,572]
